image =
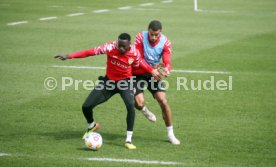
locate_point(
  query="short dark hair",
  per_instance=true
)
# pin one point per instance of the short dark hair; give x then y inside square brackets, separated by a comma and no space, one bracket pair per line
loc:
[155,25]
[124,36]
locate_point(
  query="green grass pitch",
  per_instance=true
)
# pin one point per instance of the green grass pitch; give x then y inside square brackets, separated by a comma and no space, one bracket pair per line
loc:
[39,127]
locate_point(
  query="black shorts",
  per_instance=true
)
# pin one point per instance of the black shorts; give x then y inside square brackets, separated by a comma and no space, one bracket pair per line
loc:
[141,82]
[108,87]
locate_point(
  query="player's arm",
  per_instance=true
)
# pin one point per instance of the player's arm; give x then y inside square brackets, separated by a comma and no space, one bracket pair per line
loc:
[154,72]
[141,63]
[80,54]
[102,49]
[139,43]
[166,57]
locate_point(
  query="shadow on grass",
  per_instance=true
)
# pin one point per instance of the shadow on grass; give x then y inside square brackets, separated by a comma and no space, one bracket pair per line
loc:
[63,135]
[111,139]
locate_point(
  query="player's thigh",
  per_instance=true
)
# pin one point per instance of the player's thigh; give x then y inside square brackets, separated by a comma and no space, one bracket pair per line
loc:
[160,96]
[128,97]
[97,96]
[157,89]
[139,83]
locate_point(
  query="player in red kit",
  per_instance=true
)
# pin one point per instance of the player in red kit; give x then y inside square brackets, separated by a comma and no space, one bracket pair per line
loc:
[154,48]
[121,57]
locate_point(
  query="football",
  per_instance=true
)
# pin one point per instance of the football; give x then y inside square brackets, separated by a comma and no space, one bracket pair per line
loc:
[93,141]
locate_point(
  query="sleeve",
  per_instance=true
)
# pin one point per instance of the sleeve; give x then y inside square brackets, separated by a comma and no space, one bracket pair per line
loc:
[82,54]
[102,49]
[166,57]
[139,43]
[144,65]
[141,63]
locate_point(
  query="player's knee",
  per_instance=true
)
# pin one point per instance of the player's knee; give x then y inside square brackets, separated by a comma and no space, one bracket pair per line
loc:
[139,104]
[86,107]
[130,104]
[162,101]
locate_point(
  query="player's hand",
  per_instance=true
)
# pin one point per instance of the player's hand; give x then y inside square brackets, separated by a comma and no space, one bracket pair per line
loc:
[165,72]
[156,75]
[61,57]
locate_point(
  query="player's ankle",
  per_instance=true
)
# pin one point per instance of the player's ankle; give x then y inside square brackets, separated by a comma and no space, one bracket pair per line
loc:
[144,109]
[91,125]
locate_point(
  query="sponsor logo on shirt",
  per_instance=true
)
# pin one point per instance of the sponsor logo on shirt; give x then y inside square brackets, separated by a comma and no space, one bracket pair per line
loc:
[119,64]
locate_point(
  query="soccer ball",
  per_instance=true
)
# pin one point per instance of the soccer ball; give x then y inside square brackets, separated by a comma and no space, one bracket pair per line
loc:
[93,141]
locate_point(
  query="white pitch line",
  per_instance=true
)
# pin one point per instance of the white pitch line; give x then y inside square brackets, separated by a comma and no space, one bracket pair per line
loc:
[146,4]
[75,14]
[198,10]
[4,154]
[47,18]
[16,23]
[215,11]
[201,72]
[80,67]
[101,11]
[115,160]
[125,8]
[167,1]
[176,71]
[132,161]
[153,9]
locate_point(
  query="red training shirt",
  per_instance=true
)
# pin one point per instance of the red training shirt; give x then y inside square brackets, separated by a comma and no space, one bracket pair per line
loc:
[118,66]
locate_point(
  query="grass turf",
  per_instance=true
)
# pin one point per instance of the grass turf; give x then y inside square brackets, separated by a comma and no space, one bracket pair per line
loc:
[216,128]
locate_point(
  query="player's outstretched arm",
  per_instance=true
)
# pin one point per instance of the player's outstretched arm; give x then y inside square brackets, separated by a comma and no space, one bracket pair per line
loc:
[90,52]
[61,56]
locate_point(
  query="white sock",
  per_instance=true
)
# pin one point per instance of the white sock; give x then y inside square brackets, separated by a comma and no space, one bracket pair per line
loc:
[144,109]
[170,130]
[129,136]
[91,125]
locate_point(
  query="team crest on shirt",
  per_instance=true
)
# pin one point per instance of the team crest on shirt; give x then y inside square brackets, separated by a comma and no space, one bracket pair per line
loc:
[130,60]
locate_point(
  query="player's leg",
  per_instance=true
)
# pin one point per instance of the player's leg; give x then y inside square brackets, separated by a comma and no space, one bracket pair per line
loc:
[128,98]
[139,85]
[160,96]
[96,97]
[139,101]
[166,110]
